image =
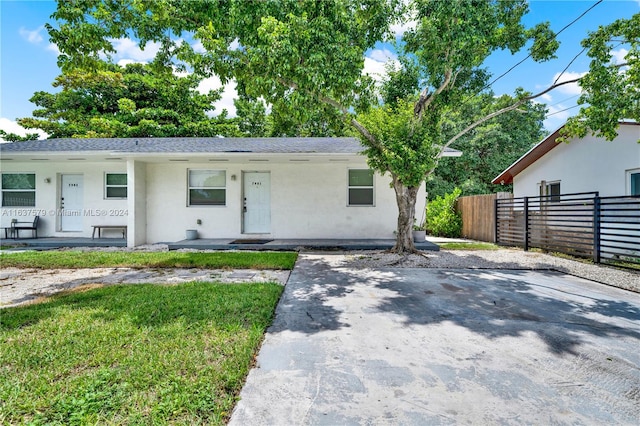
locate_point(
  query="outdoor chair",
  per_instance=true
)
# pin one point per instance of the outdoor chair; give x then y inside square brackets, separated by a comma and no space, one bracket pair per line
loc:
[16,227]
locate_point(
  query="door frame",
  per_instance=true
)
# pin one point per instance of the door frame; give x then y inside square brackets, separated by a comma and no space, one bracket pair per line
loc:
[59,200]
[242,202]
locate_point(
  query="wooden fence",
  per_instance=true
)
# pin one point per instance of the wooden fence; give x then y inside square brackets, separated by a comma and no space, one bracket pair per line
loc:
[478,215]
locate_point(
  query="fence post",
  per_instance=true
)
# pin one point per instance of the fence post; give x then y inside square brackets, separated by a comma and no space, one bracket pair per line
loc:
[495,220]
[596,229]
[526,223]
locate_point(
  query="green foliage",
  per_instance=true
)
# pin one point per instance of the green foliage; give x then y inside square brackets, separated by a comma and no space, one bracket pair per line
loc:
[405,145]
[468,246]
[13,137]
[489,148]
[442,218]
[99,259]
[136,354]
[135,101]
[609,91]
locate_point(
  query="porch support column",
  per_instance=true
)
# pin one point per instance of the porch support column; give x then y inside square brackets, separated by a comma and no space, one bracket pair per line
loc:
[136,203]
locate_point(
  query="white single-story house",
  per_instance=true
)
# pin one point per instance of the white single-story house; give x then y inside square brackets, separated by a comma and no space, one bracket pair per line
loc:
[222,187]
[583,165]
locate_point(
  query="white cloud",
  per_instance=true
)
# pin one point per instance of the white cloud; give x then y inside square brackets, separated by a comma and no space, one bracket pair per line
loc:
[618,55]
[129,49]
[399,29]
[198,47]
[374,63]
[546,97]
[228,94]
[382,55]
[571,88]
[31,36]
[124,62]
[54,48]
[11,126]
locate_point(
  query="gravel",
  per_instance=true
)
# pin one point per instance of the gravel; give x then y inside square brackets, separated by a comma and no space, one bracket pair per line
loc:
[496,259]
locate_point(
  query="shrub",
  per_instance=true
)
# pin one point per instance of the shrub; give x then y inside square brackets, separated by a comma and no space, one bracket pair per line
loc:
[442,218]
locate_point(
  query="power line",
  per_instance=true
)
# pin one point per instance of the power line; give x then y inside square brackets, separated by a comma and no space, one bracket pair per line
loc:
[562,110]
[529,55]
[557,34]
[564,100]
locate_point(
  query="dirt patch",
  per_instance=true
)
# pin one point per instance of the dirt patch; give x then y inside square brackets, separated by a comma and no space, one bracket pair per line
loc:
[19,286]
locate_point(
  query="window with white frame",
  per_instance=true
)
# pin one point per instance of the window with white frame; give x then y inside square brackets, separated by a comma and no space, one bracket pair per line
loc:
[18,190]
[360,190]
[551,190]
[115,186]
[207,188]
[634,182]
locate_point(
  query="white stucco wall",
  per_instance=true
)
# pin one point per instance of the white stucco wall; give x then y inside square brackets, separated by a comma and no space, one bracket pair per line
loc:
[96,210]
[308,200]
[137,203]
[585,165]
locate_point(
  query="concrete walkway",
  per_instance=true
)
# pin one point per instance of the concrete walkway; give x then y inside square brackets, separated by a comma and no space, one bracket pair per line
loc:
[433,346]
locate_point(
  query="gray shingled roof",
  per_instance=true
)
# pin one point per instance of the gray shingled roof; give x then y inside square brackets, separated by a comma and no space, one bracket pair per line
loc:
[190,145]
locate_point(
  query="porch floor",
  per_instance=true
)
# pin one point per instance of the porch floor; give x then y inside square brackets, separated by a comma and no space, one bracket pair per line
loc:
[220,244]
[297,244]
[57,242]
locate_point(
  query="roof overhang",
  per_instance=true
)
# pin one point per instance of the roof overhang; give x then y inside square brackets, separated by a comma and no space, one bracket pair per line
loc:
[534,154]
[177,157]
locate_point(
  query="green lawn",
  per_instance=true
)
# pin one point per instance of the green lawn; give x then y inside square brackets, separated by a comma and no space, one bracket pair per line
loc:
[97,259]
[132,354]
[468,246]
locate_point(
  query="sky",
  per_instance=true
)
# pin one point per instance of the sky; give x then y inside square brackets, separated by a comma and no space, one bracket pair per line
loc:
[28,58]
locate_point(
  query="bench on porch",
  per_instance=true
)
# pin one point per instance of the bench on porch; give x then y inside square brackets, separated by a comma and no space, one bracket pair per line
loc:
[122,228]
[17,226]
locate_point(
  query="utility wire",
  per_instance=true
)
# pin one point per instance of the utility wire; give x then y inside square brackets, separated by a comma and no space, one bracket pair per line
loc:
[557,34]
[562,110]
[564,100]
[529,55]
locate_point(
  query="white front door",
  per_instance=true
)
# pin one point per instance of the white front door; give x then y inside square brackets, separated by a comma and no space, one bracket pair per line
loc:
[71,206]
[257,203]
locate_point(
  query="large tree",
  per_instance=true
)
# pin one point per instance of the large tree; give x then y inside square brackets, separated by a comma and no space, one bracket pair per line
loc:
[137,100]
[310,55]
[489,148]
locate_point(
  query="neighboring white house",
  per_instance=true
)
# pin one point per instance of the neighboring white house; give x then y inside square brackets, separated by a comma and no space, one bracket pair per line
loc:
[582,165]
[222,187]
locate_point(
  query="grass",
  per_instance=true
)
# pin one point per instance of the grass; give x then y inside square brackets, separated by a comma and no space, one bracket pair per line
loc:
[100,259]
[468,246]
[136,354]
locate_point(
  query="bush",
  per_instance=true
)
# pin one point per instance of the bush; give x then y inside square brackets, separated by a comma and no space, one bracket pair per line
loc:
[442,218]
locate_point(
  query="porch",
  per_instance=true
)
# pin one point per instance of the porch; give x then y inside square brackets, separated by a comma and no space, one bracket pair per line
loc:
[221,244]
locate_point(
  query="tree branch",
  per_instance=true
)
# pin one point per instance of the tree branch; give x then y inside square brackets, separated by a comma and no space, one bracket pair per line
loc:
[426,100]
[511,108]
[344,110]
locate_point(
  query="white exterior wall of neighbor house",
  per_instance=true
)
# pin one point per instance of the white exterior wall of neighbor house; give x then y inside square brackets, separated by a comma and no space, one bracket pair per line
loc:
[308,200]
[97,210]
[586,165]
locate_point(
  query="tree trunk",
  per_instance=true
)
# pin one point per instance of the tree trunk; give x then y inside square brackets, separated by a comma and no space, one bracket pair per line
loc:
[406,200]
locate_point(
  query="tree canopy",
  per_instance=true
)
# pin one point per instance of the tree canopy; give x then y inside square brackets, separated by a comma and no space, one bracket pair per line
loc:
[308,56]
[137,100]
[489,148]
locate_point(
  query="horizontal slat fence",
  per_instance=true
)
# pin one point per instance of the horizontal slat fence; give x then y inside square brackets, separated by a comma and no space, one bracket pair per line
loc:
[619,226]
[606,229]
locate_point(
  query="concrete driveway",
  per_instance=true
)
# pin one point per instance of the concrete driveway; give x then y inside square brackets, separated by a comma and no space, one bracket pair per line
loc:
[435,346]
